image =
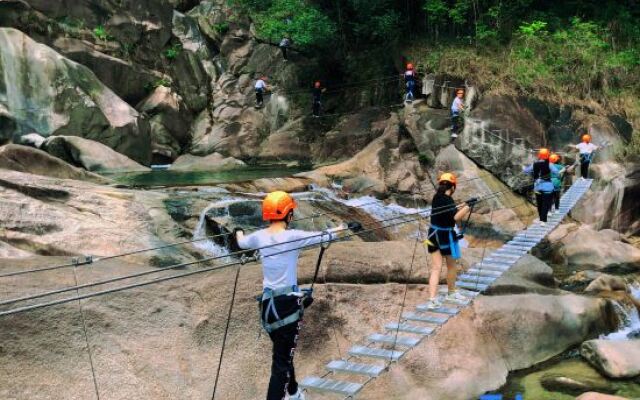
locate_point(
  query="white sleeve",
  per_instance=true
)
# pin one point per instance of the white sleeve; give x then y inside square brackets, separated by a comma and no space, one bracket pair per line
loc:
[306,239]
[249,242]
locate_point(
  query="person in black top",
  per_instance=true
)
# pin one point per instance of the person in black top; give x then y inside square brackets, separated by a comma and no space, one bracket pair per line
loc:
[543,186]
[442,238]
[317,98]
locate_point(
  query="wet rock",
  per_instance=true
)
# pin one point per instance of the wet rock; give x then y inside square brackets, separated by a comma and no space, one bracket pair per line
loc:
[615,359]
[89,154]
[26,159]
[82,104]
[212,162]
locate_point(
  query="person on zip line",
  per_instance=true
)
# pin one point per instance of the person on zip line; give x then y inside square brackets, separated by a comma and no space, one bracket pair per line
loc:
[260,87]
[587,151]
[557,177]
[543,187]
[410,77]
[282,302]
[442,239]
[457,108]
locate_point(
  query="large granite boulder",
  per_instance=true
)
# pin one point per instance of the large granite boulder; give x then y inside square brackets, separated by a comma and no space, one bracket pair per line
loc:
[614,358]
[169,121]
[90,155]
[582,248]
[43,92]
[212,162]
[128,80]
[27,159]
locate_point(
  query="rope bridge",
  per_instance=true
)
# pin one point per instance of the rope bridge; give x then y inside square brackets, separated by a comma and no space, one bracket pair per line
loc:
[369,360]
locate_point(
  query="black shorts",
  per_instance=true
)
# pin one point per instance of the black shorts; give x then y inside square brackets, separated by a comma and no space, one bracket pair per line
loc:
[441,239]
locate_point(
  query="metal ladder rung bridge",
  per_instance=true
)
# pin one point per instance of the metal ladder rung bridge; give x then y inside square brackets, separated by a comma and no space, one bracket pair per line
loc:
[363,363]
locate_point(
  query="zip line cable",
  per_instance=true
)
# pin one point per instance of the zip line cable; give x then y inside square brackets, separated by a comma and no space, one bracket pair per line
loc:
[93,260]
[170,267]
[213,268]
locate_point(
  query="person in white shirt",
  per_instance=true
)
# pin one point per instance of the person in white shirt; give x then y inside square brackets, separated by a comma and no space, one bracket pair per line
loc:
[260,87]
[282,301]
[586,149]
[457,107]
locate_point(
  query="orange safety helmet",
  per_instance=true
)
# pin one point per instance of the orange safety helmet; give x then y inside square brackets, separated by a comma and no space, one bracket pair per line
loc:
[448,177]
[317,85]
[277,205]
[543,154]
[554,158]
[409,66]
[586,138]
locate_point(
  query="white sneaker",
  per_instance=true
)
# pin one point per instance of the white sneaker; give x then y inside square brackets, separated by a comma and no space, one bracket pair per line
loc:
[551,212]
[543,224]
[456,297]
[298,396]
[434,303]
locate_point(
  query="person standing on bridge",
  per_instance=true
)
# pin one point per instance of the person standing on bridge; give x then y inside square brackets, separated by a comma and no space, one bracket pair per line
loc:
[442,239]
[457,108]
[557,177]
[543,186]
[282,302]
[410,83]
[586,149]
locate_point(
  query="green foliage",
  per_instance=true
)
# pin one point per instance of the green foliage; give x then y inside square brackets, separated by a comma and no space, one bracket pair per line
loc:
[172,52]
[157,83]
[221,27]
[304,23]
[100,33]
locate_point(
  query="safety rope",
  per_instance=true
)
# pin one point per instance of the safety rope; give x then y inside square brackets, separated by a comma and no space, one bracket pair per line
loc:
[226,331]
[181,265]
[410,218]
[406,286]
[86,336]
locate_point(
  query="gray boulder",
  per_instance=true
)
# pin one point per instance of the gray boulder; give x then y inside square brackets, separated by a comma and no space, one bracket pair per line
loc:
[62,97]
[90,155]
[614,358]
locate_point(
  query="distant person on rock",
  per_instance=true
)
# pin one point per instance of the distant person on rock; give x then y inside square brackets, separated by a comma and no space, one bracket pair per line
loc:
[282,302]
[284,45]
[557,177]
[586,150]
[457,108]
[442,239]
[261,87]
[317,98]
[410,83]
[543,186]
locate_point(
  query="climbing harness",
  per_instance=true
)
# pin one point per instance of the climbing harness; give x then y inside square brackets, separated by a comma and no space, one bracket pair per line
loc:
[304,296]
